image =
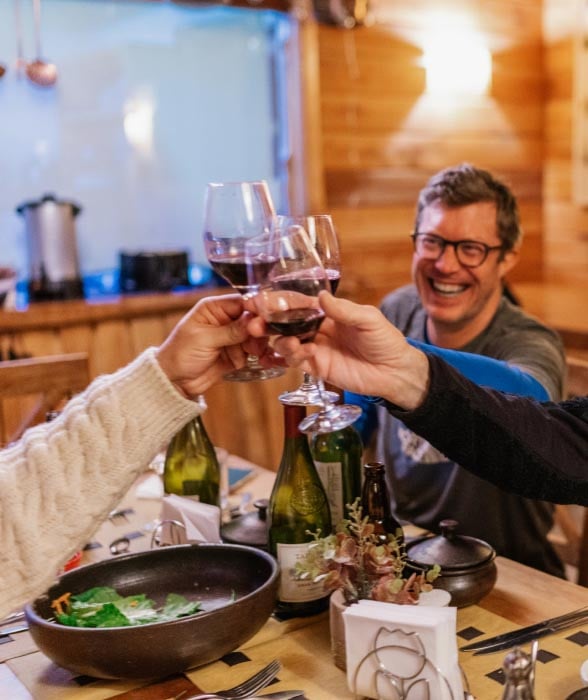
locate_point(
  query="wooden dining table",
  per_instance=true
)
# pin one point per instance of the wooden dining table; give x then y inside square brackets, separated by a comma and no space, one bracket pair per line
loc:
[520,597]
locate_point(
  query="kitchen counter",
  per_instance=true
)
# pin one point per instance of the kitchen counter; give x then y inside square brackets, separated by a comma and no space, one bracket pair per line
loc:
[48,314]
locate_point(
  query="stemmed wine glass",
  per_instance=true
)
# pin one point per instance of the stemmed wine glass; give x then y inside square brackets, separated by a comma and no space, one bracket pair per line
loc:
[288,302]
[233,213]
[322,234]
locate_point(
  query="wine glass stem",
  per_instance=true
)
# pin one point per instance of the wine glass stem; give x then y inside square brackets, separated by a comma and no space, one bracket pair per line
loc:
[327,405]
[309,383]
[252,360]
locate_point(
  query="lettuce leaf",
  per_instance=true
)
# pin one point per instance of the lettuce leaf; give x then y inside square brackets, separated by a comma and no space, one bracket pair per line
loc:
[102,606]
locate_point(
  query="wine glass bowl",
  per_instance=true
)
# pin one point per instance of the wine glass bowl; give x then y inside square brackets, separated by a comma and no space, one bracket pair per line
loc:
[234,212]
[288,299]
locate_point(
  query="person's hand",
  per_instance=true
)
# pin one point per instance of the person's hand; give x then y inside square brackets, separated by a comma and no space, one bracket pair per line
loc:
[358,349]
[209,341]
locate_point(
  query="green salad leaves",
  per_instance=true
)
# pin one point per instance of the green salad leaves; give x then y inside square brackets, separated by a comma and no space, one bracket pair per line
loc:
[102,606]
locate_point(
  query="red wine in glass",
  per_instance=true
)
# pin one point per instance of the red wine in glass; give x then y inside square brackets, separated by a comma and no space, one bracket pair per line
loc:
[303,323]
[242,274]
[334,278]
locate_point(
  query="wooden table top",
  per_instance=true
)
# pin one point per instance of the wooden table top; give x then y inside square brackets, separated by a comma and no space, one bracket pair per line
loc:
[521,596]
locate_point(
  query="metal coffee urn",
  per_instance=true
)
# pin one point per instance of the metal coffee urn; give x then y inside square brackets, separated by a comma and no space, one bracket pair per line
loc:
[52,248]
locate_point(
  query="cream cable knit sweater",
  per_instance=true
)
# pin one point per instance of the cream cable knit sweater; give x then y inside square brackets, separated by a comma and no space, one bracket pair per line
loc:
[60,481]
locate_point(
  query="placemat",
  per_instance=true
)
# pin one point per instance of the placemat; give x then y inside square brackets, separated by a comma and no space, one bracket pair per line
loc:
[558,663]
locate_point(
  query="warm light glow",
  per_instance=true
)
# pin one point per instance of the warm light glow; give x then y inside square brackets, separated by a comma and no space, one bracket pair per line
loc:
[457,61]
[138,124]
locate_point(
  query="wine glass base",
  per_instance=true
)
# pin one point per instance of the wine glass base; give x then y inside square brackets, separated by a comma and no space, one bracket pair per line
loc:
[253,374]
[330,420]
[308,397]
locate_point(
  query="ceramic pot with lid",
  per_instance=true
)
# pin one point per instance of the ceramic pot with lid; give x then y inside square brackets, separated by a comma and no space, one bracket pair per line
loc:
[468,568]
[52,248]
[248,529]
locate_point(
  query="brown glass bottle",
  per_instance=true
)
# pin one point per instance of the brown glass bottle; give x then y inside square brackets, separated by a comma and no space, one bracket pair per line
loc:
[375,503]
[298,506]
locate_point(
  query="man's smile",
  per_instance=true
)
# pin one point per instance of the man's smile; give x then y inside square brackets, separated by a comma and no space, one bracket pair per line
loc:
[447,289]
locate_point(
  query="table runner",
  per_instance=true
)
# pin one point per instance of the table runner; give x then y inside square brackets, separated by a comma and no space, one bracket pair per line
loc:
[303,646]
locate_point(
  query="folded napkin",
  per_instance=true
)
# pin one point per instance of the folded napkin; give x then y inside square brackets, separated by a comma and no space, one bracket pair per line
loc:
[201,521]
[397,632]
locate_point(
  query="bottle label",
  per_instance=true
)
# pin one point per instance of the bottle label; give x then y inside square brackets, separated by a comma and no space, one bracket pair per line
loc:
[293,590]
[331,475]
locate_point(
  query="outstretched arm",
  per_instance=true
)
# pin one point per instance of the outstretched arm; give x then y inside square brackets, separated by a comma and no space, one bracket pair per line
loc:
[61,479]
[536,450]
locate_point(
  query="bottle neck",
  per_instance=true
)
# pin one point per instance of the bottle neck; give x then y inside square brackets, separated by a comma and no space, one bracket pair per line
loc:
[293,415]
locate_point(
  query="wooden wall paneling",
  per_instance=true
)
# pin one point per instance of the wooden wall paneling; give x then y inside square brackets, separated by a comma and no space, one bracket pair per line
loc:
[111,346]
[170,320]
[383,136]
[146,332]
[246,418]
[41,342]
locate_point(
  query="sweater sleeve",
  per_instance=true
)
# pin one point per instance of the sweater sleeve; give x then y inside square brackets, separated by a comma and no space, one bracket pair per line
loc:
[61,479]
[536,450]
[489,372]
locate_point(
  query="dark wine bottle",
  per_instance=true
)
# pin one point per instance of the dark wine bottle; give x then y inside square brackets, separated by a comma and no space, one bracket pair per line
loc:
[191,467]
[298,506]
[375,503]
[337,457]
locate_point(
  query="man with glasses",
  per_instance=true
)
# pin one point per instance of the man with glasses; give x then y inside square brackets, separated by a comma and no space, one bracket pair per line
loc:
[466,239]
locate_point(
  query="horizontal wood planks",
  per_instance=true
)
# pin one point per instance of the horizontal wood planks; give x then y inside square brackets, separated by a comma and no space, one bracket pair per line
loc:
[383,136]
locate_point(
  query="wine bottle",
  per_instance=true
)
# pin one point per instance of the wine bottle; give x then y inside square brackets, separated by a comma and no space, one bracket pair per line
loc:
[375,503]
[337,457]
[298,506]
[191,467]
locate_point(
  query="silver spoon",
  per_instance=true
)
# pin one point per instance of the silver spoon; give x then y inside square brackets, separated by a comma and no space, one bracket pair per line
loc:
[39,71]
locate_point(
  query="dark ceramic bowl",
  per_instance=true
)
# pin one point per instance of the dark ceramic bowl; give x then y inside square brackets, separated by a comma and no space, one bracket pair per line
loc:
[468,569]
[236,585]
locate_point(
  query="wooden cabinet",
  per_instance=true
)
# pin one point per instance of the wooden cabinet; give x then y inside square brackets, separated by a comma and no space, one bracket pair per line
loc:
[245,418]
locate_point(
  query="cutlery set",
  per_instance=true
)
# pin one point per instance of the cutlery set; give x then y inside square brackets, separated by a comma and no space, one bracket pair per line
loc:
[524,635]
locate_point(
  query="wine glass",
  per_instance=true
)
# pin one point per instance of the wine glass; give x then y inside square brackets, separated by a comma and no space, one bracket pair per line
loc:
[288,302]
[322,234]
[233,213]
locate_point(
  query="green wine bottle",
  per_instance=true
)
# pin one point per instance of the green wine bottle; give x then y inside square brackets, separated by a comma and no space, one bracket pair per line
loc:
[191,467]
[337,457]
[298,506]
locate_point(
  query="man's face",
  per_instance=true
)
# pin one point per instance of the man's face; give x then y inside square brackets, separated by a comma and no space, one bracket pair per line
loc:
[460,301]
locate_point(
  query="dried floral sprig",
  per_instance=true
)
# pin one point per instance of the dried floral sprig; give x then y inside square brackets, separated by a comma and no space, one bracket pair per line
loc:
[355,561]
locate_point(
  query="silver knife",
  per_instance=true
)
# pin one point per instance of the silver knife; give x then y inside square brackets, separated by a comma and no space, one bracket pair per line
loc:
[528,634]
[13,630]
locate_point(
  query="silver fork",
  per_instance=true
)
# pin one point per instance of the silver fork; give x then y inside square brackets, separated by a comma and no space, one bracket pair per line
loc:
[243,690]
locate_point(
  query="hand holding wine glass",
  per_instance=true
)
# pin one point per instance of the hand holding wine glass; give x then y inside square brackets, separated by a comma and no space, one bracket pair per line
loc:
[234,213]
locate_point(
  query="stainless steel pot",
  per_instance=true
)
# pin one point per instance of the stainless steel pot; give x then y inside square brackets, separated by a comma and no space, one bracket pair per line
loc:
[52,247]
[468,569]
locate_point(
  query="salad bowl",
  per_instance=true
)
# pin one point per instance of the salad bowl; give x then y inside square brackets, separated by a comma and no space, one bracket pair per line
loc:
[235,585]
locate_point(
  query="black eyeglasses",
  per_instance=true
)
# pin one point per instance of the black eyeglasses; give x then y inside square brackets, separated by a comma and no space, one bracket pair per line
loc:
[469,253]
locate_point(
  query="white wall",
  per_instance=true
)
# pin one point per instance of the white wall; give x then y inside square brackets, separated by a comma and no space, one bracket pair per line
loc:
[153,100]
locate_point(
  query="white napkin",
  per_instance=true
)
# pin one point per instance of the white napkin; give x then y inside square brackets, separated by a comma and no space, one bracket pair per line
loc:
[370,623]
[201,520]
[150,487]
